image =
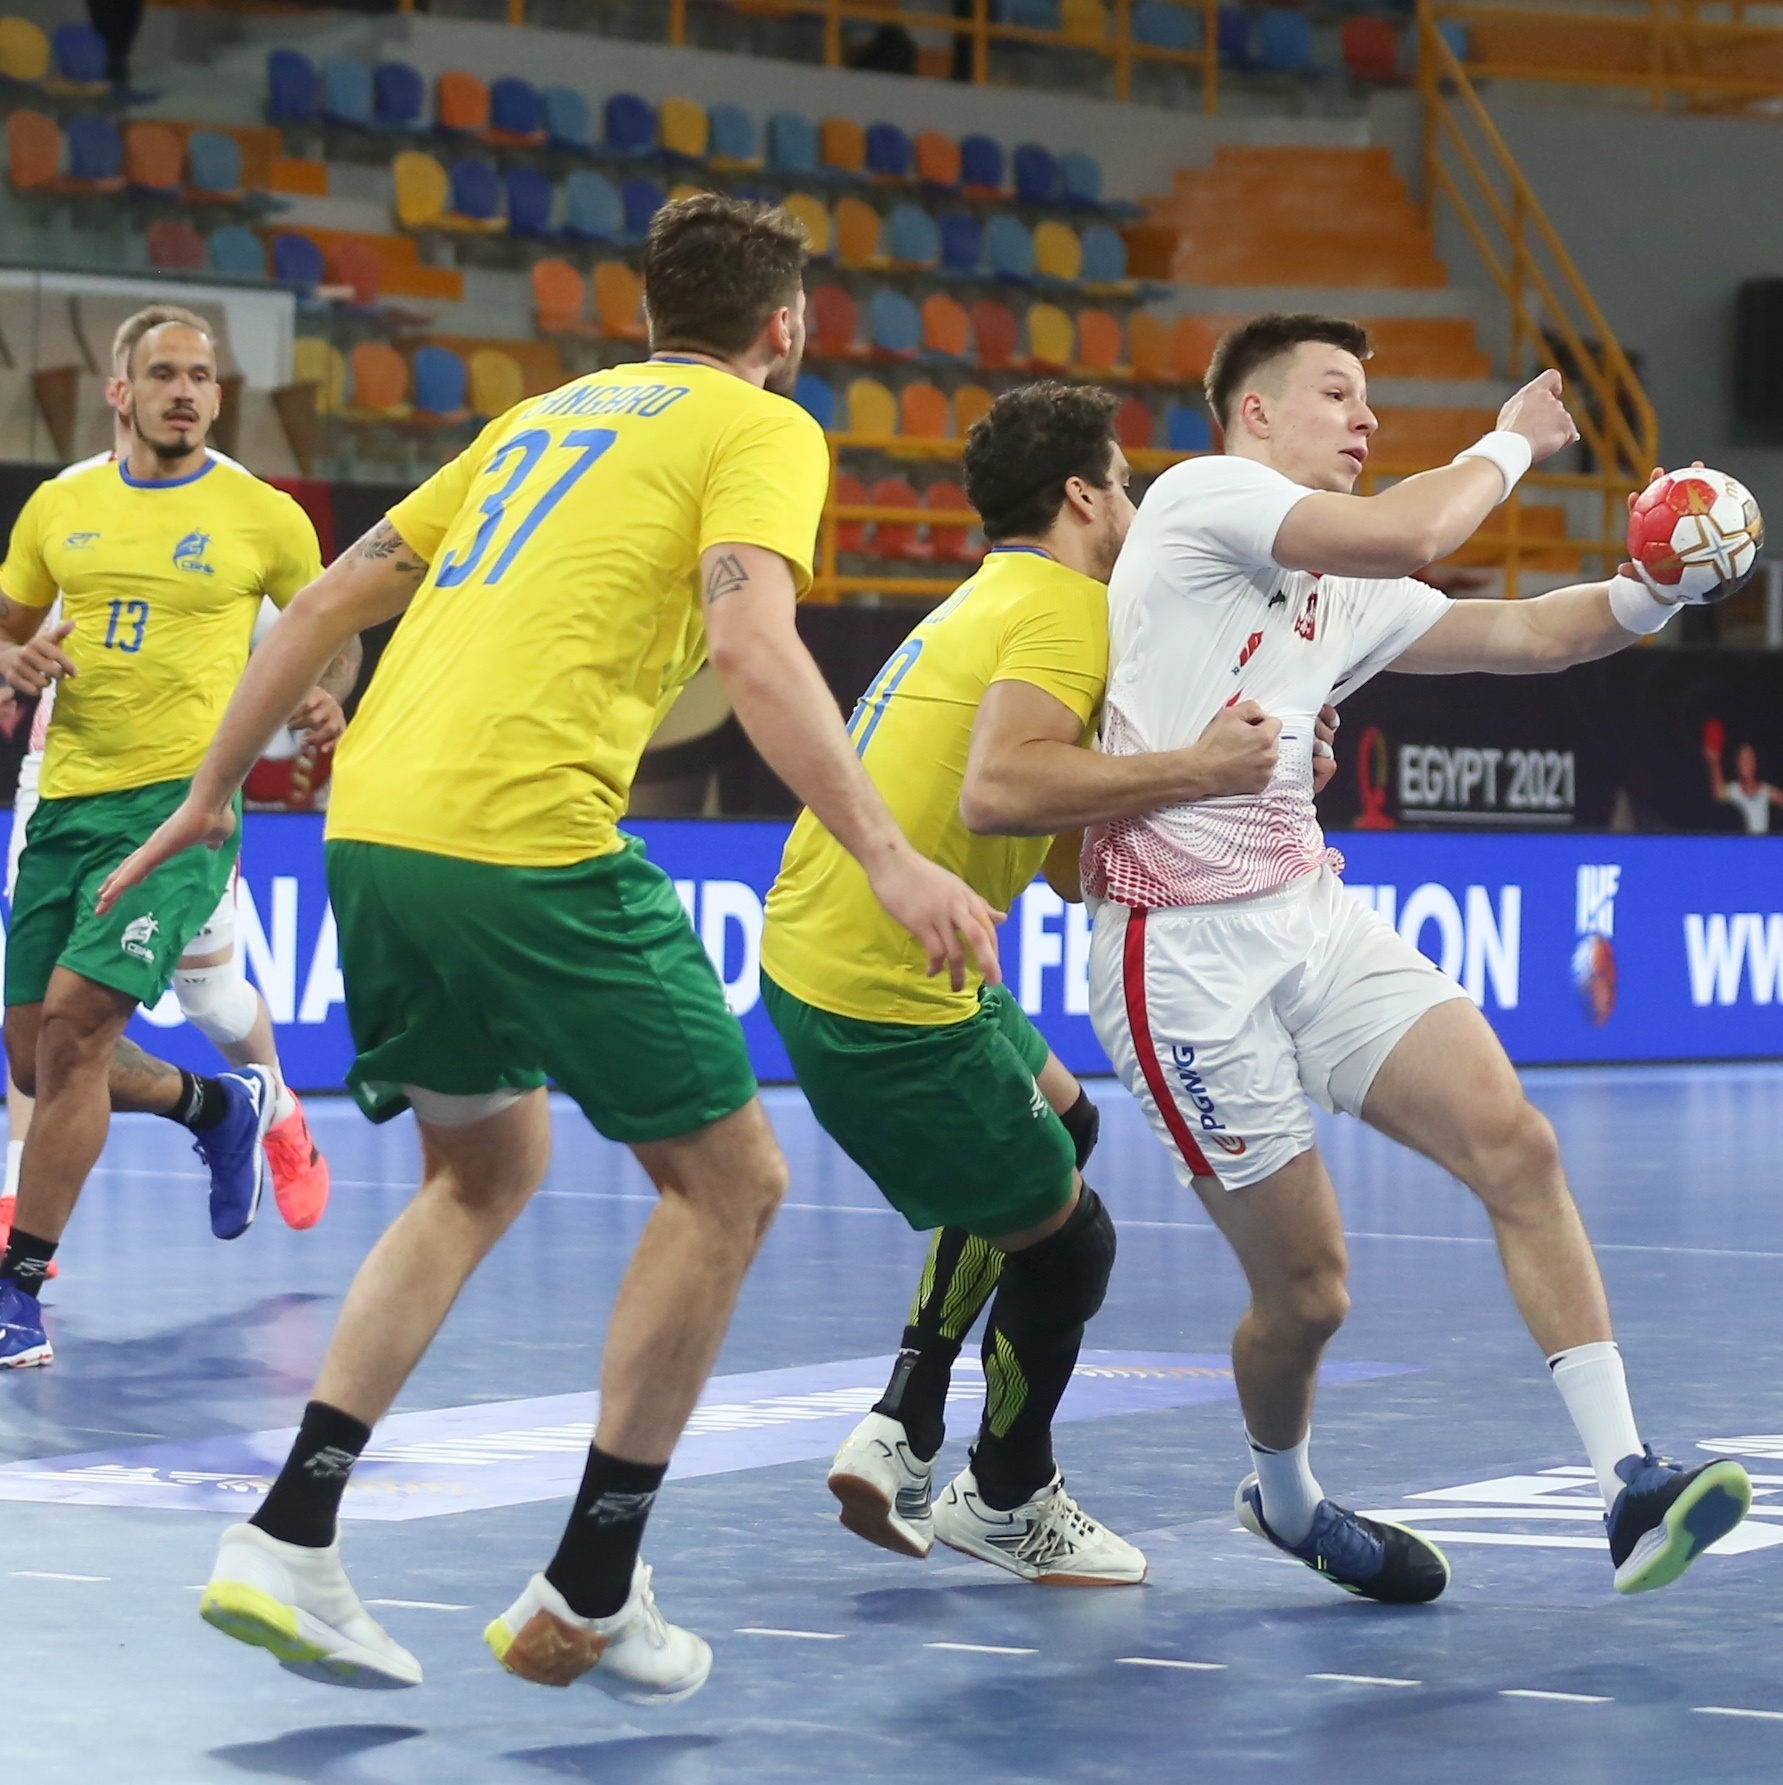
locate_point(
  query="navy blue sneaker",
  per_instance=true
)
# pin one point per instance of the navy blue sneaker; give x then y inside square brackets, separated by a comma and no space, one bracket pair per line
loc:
[1362,1555]
[234,1153]
[23,1342]
[1667,1515]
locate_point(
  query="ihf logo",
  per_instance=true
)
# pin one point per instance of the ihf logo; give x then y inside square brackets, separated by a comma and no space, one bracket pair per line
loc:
[1594,958]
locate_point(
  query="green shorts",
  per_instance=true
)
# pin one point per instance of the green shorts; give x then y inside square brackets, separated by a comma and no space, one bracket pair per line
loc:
[70,847]
[466,977]
[947,1121]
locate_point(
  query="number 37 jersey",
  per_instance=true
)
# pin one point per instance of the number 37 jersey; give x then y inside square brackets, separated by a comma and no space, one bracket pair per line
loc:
[163,582]
[560,614]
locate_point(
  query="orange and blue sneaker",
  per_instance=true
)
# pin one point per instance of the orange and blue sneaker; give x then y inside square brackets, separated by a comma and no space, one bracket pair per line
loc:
[300,1178]
[8,1213]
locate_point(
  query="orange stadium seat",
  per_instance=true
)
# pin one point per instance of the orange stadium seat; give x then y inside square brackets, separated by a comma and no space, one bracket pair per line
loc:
[380,378]
[851,536]
[559,296]
[857,232]
[924,411]
[937,159]
[33,150]
[154,158]
[1148,346]
[1192,343]
[951,543]
[946,326]
[618,301]
[354,262]
[872,409]
[1098,340]
[895,539]
[1051,338]
[1133,424]
[461,103]
[842,145]
[835,321]
[970,402]
[997,333]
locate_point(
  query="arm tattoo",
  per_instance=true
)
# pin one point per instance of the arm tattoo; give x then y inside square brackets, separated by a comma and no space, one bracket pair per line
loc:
[383,541]
[728,576]
[338,678]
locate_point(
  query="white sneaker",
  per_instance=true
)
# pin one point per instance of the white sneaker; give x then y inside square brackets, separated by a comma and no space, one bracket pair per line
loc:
[1050,1539]
[298,1604]
[884,1487]
[635,1654]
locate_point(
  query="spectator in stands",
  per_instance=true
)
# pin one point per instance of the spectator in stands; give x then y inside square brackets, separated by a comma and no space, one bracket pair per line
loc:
[117,22]
[1749,796]
[890,50]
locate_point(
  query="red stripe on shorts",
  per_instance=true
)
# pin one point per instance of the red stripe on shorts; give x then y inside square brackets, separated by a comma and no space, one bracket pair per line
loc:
[1133,984]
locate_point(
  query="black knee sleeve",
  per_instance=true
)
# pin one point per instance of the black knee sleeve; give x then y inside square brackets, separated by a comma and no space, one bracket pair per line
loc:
[1083,1122]
[1062,1280]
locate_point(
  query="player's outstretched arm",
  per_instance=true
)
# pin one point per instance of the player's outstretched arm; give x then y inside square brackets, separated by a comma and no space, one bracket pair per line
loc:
[784,704]
[374,581]
[1426,517]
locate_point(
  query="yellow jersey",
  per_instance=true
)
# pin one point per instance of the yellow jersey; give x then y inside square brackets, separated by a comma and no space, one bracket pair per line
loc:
[163,582]
[827,940]
[560,614]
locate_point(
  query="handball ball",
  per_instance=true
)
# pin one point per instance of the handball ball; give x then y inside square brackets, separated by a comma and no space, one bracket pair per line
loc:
[1695,535]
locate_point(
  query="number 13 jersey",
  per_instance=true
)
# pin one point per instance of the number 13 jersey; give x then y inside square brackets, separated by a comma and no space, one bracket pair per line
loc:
[560,614]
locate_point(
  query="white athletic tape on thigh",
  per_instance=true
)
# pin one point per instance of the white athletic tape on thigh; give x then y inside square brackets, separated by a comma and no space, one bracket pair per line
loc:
[445,1110]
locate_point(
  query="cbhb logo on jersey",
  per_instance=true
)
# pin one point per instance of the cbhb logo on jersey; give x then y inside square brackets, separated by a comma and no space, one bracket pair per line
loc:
[139,932]
[1594,959]
[80,542]
[189,554]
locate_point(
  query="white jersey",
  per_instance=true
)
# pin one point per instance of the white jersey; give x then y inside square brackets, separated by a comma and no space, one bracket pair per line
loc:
[1753,807]
[1201,616]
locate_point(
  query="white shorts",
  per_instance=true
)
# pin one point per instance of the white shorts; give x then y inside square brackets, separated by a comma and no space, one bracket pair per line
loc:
[24,803]
[1224,1019]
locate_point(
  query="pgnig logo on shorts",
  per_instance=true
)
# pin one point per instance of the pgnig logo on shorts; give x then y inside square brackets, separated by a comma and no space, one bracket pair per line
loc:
[1194,1087]
[139,932]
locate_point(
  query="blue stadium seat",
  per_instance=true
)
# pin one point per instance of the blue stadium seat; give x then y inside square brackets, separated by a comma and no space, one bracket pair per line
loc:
[641,200]
[912,236]
[732,135]
[890,151]
[816,399]
[290,87]
[399,95]
[1454,34]
[346,91]
[78,54]
[981,162]
[237,252]
[1284,41]
[962,242]
[567,121]
[476,189]
[1235,37]
[213,161]
[630,124]
[1037,179]
[592,207]
[95,149]
[894,324]
[792,144]
[1165,26]
[1186,430]
[296,260]
[530,198]
[515,107]
[1036,15]
[1104,256]
[1008,247]
[1081,177]
[440,381]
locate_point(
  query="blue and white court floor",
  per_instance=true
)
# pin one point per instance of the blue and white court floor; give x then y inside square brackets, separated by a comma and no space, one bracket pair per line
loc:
[179,1361]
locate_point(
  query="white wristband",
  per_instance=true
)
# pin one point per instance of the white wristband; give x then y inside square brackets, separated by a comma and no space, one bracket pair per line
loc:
[1636,607]
[1510,452]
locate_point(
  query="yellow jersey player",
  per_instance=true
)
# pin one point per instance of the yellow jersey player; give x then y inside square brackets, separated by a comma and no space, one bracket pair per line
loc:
[972,732]
[559,581]
[162,560]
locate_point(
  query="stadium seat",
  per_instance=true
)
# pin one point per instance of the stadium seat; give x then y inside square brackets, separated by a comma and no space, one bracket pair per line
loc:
[640,200]
[441,381]
[530,198]
[1008,247]
[355,263]
[1370,46]
[318,362]
[630,124]
[213,162]
[970,403]
[730,136]
[857,232]
[1165,25]
[1235,37]
[497,381]
[398,95]
[346,92]
[924,412]
[476,191]
[618,301]
[422,189]
[1454,33]
[1284,41]
[1080,178]
[24,51]
[95,153]
[593,210]
[996,332]
[1134,425]
[816,398]
[962,242]
[894,324]
[911,238]
[460,103]
[380,377]
[567,121]
[1191,347]
[292,88]
[559,297]
[1037,180]
[516,115]
[33,150]
[842,145]
[951,544]
[1104,256]
[1148,347]
[946,326]
[1051,338]
[834,321]
[810,211]
[851,536]
[872,409]
[1098,340]
[296,260]
[175,246]
[78,52]
[981,164]
[237,252]
[895,539]
[1058,254]
[937,159]
[890,153]
[154,159]
[1186,430]
[792,144]
[682,128]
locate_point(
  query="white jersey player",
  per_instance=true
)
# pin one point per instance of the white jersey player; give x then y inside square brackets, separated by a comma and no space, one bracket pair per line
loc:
[1231,978]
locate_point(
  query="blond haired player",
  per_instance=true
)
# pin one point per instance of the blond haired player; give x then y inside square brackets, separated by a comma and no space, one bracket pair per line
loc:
[559,581]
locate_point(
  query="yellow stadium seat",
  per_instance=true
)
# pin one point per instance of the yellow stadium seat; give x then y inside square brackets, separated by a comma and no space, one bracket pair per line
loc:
[1148,341]
[857,232]
[681,128]
[1083,21]
[422,190]
[618,297]
[810,211]
[685,189]
[1058,254]
[872,409]
[1051,338]
[497,381]
[24,50]
[318,362]
[970,402]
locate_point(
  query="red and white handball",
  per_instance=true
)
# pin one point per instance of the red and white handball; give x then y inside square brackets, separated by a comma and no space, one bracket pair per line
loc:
[1695,535]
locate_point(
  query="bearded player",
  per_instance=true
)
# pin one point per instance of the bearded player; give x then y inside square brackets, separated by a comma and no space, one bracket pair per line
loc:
[1222,933]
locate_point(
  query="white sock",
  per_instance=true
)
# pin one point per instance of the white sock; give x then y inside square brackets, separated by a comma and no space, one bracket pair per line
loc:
[283,1103]
[1595,1390]
[15,1151]
[1291,1494]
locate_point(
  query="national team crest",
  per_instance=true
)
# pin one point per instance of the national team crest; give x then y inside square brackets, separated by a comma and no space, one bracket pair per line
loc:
[189,554]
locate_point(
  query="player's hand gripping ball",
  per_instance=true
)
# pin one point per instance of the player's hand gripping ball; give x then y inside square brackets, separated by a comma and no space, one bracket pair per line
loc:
[1695,535]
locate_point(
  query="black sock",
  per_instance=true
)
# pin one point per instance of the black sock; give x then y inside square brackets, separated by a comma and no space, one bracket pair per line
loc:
[956,1282]
[593,1565]
[203,1103]
[27,1260]
[305,1500]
